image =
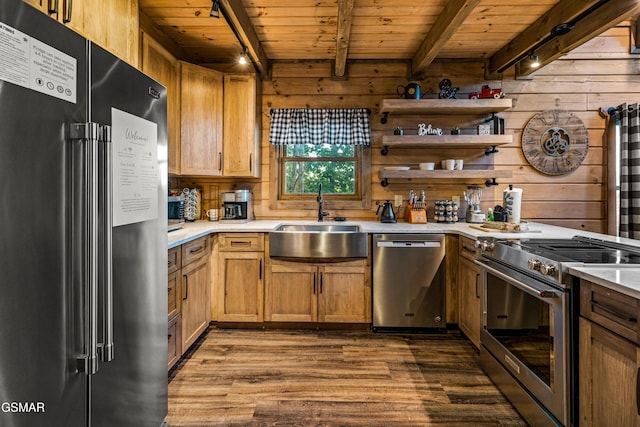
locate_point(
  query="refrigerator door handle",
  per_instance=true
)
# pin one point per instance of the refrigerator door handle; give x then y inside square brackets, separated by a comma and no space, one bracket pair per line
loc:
[106,347]
[88,133]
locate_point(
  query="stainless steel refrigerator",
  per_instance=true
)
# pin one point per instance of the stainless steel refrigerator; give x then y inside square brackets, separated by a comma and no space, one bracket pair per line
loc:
[83,242]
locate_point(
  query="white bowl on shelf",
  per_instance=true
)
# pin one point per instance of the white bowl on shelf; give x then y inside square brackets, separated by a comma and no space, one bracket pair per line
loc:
[427,166]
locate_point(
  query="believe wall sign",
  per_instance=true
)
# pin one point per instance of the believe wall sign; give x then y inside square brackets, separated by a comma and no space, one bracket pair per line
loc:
[555,142]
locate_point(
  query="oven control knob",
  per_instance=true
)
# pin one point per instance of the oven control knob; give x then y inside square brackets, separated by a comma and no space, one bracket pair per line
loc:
[534,264]
[484,245]
[547,269]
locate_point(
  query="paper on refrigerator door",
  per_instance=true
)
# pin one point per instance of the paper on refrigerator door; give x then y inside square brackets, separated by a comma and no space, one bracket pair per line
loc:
[135,168]
[30,63]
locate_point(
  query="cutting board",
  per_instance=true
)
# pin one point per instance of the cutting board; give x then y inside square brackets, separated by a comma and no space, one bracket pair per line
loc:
[507,228]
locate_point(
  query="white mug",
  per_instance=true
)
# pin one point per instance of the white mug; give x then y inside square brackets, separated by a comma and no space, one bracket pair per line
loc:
[212,214]
[449,164]
[459,164]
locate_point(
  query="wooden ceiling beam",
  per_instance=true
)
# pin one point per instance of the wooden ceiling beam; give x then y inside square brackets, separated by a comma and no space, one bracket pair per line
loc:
[343,34]
[563,12]
[586,29]
[447,23]
[237,17]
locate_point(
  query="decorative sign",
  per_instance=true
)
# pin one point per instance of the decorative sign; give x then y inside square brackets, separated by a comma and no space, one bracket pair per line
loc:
[27,62]
[135,168]
[428,130]
[555,142]
[484,130]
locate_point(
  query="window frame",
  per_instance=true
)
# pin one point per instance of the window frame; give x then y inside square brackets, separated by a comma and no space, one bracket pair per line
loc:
[360,200]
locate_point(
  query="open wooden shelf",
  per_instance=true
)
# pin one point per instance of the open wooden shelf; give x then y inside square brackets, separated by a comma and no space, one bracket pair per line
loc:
[489,175]
[445,141]
[445,106]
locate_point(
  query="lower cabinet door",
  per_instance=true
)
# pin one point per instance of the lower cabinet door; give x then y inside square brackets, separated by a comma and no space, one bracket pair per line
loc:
[291,293]
[469,288]
[174,337]
[344,295]
[240,286]
[195,302]
[609,383]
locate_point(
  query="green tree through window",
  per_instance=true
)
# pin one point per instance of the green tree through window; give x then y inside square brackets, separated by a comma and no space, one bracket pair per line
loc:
[305,166]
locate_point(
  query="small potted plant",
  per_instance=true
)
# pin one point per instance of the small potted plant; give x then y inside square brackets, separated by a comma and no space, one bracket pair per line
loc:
[398,131]
[455,130]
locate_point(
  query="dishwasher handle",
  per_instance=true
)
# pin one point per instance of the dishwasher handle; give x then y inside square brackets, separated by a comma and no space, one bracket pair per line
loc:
[408,244]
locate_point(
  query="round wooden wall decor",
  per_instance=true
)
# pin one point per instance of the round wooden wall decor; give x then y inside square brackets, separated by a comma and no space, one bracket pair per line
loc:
[555,142]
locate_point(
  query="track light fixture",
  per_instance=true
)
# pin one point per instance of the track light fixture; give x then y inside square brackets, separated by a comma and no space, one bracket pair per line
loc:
[244,57]
[535,61]
[215,9]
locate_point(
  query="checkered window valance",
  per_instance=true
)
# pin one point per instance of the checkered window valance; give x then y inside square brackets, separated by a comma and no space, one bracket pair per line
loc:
[347,126]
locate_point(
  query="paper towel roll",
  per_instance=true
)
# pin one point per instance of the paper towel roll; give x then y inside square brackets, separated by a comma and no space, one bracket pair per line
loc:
[512,202]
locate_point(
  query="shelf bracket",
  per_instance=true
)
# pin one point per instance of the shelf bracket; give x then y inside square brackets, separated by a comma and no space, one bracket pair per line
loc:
[384,182]
[384,151]
[491,182]
[490,151]
[384,118]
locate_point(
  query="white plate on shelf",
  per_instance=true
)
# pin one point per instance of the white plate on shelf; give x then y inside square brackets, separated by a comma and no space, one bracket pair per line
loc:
[397,168]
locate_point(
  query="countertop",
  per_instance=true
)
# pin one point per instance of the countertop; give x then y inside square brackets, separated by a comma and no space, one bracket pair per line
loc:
[625,279]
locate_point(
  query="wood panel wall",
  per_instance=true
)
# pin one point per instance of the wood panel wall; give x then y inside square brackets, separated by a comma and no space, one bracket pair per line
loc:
[601,73]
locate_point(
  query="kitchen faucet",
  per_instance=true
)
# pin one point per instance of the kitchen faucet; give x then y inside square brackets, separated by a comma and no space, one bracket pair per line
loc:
[321,213]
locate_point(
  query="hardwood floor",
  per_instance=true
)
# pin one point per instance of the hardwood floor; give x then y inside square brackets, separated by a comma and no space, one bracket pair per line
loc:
[334,378]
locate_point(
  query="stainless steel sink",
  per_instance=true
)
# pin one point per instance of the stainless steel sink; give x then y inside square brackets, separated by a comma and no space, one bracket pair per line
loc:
[318,242]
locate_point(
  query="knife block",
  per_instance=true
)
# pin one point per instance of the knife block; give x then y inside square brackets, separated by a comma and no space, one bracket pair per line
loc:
[415,215]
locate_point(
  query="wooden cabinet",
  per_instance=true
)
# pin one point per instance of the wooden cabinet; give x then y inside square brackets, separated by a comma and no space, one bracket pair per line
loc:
[200,121]
[469,289]
[241,144]
[307,292]
[112,24]
[174,333]
[609,358]
[240,277]
[162,66]
[174,340]
[195,290]
[486,143]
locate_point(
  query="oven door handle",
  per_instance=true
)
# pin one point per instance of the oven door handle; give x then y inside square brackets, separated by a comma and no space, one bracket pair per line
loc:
[529,289]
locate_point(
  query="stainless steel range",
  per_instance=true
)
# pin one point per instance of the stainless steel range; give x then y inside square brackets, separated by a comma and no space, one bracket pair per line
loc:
[530,311]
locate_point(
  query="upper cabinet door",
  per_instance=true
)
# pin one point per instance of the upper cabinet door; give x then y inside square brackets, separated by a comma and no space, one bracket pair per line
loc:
[201,121]
[241,127]
[112,24]
[162,66]
[69,13]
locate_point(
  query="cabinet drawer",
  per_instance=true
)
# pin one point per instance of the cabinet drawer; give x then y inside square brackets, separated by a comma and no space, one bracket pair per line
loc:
[174,333]
[175,255]
[195,250]
[173,297]
[467,248]
[615,311]
[241,242]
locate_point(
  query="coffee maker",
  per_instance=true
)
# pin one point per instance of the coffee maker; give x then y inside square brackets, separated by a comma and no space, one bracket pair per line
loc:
[237,206]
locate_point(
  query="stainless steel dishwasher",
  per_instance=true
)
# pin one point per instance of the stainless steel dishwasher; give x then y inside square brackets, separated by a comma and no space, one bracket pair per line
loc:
[408,281]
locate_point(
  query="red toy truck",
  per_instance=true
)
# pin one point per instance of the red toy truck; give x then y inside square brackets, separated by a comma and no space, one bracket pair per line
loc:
[487,92]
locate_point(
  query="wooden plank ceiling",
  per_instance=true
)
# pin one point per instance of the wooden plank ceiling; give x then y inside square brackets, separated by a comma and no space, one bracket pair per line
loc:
[500,32]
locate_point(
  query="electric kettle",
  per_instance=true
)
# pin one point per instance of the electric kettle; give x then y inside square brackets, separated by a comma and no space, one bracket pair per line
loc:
[388,215]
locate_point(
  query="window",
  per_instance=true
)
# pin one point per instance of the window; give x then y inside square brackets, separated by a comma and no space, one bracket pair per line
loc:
[320,146]
[305,166]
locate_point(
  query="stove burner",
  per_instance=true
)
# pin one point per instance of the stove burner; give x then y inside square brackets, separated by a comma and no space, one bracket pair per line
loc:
[577,249]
